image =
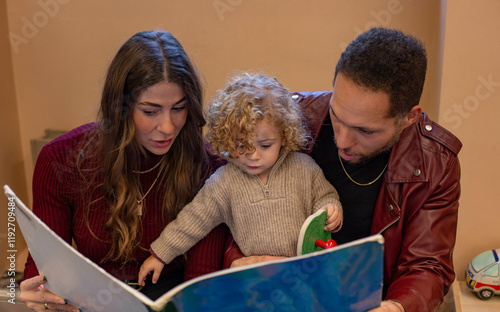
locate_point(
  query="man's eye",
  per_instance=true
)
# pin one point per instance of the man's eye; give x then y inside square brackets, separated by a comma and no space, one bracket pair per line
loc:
[364,131]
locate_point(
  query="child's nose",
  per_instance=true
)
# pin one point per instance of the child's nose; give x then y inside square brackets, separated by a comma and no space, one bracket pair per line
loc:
[253,154]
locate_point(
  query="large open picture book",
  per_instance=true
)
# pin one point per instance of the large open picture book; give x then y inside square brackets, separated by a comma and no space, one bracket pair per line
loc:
[347,277]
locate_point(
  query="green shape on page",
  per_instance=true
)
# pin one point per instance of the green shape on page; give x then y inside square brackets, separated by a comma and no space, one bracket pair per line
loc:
[312,229]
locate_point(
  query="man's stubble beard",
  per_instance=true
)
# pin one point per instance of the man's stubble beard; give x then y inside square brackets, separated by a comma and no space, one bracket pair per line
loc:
[364,159]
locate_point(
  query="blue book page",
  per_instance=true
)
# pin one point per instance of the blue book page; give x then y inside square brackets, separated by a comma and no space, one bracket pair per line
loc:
[344,278]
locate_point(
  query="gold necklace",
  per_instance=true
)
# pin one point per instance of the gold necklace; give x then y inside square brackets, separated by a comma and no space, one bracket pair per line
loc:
[140,201]
[357,183]
[150,169]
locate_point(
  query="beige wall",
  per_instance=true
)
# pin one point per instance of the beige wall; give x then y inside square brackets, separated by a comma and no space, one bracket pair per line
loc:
[60,52]
[470,108]
[11,156]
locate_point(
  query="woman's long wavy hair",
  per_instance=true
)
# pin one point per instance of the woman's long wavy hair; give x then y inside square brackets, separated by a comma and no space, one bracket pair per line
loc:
[145,59]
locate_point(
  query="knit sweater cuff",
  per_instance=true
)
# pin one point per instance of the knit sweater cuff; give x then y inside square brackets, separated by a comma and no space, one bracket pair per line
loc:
[154,255]
[162,251]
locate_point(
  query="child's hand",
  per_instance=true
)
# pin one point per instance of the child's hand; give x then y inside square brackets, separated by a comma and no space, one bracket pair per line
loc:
[334,218]
[150,265]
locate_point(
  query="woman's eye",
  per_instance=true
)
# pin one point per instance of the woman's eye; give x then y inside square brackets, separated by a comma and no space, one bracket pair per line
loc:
[149,112]
[179,108]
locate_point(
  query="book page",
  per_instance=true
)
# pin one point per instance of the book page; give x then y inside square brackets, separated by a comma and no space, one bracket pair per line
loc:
[70,274]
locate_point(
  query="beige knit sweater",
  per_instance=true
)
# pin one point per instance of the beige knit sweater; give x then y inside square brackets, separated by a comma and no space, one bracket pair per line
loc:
[264,219]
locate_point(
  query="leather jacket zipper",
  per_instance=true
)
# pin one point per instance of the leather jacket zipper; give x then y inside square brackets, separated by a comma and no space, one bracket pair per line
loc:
[390,224]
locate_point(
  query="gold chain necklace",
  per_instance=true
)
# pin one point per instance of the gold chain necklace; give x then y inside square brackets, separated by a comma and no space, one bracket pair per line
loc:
[140,201]
[150,169]
[357,183]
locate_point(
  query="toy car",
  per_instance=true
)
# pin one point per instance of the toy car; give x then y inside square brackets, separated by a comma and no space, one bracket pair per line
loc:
[482,274]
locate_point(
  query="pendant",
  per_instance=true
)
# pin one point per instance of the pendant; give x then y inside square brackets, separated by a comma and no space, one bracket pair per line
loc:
[139,207]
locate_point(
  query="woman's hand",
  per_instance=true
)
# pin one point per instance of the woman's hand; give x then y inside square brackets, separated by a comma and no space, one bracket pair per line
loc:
[252,260]
[39,299]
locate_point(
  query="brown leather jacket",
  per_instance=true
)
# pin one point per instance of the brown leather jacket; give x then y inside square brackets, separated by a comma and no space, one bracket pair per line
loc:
[416,209]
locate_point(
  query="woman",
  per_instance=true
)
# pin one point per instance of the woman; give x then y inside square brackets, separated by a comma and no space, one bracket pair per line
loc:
[112,186]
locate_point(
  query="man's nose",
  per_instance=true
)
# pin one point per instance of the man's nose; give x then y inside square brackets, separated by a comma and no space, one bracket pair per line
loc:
[344,137]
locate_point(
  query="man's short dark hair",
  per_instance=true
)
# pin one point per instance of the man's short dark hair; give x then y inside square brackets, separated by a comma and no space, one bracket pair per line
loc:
[387,60]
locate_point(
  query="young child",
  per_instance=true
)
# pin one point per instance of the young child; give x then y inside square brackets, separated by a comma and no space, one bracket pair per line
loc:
[265,191]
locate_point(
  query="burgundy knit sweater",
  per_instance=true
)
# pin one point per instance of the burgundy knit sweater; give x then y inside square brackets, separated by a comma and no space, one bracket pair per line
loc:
[58,200]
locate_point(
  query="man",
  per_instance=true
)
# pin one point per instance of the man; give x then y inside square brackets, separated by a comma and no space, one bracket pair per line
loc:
[396,171]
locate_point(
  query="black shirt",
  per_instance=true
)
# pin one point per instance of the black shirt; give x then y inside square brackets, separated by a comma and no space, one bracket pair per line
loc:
[358,202]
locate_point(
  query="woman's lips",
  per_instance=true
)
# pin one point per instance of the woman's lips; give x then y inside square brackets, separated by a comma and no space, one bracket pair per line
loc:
[162,144]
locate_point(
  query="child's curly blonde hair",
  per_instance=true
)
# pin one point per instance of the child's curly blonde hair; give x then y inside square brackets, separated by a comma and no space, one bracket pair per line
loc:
[245,100]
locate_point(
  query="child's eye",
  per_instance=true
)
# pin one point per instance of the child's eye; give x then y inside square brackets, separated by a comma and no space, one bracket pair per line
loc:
[265,146]
[241,148]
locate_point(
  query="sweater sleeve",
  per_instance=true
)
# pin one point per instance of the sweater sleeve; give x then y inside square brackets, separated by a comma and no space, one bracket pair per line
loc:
[48,200]
[207,255]
[193,223]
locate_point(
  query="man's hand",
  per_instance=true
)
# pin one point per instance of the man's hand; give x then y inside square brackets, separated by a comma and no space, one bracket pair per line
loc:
[252,260]
[389,306]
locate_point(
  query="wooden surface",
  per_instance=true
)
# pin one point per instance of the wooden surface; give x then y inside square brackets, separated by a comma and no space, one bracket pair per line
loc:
[467,301]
